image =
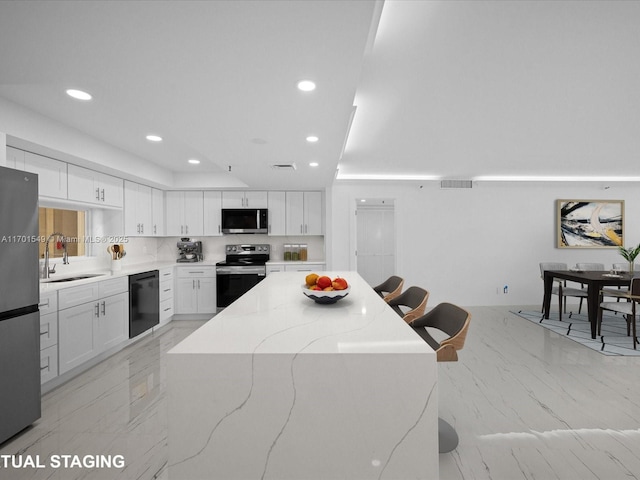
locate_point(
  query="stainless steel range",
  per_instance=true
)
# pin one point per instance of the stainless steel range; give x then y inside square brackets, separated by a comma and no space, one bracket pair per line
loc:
[242,269]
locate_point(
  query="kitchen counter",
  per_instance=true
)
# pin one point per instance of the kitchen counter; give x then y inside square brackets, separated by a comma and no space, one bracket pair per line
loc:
[296,262]
[46,286]
[277,386]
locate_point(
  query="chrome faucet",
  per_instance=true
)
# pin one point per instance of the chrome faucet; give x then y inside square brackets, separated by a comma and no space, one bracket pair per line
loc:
[46,271]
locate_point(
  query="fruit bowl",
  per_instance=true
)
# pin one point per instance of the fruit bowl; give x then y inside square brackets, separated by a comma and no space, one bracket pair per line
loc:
[324,297]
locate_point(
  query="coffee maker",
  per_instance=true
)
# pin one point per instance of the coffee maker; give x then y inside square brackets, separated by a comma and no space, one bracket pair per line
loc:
[189,251]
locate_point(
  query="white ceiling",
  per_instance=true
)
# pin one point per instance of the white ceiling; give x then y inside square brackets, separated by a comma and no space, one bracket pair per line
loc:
[448,89]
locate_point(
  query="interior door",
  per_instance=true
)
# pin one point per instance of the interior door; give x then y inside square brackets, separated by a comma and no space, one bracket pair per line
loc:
[375,243]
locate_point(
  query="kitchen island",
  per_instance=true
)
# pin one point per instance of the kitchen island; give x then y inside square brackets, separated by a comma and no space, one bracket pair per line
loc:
[279,387]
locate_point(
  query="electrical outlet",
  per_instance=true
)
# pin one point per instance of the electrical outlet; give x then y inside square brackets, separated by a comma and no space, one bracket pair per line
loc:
[505,290]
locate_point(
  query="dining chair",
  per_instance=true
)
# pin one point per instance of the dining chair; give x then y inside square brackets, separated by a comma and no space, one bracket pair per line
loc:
[619,267]
[390,288]
[597,267]
[590,266]
[452,321]
[561,289]
[628,308]
[410,304]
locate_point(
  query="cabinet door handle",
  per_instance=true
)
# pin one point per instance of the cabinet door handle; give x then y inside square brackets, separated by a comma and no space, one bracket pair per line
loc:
[103,194]
[181,229]
[98,310]
[198,284]
[104,308]
[142,228]
[155,230]
[193,284]
[97,194]
[219,229]
[186,229]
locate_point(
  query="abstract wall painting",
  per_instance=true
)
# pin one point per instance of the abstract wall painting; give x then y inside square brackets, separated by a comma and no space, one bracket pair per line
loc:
[590,223]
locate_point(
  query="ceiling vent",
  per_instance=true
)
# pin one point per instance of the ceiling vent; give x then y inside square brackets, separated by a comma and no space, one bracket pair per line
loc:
[456,184]
[284,166]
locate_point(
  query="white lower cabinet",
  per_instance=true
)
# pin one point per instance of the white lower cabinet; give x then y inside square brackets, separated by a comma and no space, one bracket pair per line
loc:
[92,319]
[48,363]
[78,331]
[166,294]
[48,336]
[112,330]
[196,289]
[309,267]
[274,269]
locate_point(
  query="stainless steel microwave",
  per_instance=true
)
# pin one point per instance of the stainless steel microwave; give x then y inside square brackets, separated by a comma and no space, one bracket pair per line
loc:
[245,220]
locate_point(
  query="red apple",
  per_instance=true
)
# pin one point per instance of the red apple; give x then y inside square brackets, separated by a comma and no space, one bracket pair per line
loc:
[323,282]
[339,283]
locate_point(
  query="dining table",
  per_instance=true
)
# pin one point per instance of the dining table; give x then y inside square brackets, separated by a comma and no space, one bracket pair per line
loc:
[593,280]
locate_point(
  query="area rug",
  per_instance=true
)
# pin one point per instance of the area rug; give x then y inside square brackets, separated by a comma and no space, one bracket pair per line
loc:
[575,326]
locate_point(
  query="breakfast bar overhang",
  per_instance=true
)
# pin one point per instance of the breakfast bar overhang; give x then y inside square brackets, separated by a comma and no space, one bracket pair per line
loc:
[279,387]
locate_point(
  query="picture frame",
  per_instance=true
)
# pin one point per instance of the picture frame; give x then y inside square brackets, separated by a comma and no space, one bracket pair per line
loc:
[590,223]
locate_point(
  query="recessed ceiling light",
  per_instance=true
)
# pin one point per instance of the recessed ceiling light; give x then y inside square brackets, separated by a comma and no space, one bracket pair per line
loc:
[312,139]
[306,85]
[154,138]
[193,161]
[78,94]
[313,164]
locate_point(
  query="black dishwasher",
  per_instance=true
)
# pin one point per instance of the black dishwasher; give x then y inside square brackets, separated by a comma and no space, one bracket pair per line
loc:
[144,302]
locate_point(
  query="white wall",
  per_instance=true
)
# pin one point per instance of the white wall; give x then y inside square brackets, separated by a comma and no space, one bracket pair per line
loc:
[65,143]
[463,244]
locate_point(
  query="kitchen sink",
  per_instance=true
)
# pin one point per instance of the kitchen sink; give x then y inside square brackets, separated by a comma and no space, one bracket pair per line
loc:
[71,279]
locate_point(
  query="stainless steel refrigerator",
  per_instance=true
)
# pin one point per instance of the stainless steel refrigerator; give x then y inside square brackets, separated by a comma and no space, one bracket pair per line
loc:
[19,296]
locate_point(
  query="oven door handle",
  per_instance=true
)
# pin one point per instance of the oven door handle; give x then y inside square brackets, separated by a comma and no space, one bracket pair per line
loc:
[260,271]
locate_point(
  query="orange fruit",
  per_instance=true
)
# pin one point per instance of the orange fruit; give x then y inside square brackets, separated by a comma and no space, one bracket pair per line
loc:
[311,279]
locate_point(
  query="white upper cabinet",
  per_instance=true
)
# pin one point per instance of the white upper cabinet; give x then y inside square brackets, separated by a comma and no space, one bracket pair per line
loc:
[212,213]
[52,174]
[15,158]
[157,212]
[137,210]
[184,213]
[249,199]
[304,213]
[89,186]
[277,213]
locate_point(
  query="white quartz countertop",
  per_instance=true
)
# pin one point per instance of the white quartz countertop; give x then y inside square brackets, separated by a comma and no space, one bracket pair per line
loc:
[101,275]
[276,317]
[296,262]
[279,387]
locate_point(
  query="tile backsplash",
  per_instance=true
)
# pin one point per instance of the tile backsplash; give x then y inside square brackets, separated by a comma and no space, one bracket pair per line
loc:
[151,249]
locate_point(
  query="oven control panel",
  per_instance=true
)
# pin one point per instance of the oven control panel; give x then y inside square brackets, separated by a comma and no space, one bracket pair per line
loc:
[246,249]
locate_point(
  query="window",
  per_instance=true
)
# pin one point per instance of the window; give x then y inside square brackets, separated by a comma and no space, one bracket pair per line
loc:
[71,223]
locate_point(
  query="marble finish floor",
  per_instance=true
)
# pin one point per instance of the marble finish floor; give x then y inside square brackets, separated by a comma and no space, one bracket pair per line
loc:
[526,402]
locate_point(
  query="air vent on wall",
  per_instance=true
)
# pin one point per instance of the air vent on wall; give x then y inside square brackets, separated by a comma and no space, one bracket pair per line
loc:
[284,166]
[456,184]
